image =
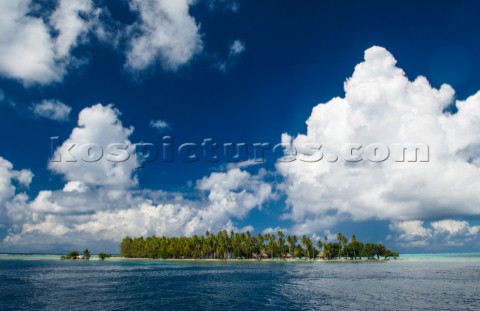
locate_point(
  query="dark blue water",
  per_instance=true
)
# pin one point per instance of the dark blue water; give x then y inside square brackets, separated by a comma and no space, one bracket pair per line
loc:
[393,285]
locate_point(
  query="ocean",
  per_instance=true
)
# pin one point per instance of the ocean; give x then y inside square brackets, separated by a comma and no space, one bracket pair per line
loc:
[415,282]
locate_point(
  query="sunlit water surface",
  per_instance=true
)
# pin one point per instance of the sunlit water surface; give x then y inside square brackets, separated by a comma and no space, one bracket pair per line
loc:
[416,282]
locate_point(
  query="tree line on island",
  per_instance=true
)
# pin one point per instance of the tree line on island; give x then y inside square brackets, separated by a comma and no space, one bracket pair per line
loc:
[75,255]
[224,245]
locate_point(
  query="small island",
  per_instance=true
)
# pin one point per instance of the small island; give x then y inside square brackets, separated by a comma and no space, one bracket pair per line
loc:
[245,246]
[74,255]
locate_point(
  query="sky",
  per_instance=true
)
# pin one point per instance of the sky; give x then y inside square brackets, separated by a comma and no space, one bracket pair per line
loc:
[92,90]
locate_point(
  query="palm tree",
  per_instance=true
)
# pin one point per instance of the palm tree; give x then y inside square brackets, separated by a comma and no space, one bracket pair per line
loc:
[281,242]
[223,242]
[342,240]
[258,246]
[353,241]
[224,245]
[236,243]
[86,254]
[339,237]
[319,245]
[231,242]
[206,246]
[292,241]
[271,243]
[212,245]
[247,243]
[307,243]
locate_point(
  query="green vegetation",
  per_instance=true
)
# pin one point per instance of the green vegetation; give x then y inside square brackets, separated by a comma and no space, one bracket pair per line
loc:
[85,255]
[224,245]
[71,255]
[103,256]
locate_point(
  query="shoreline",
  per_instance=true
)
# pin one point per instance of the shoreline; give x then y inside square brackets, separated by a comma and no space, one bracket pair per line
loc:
[474,256]
[95,258]
[234,260]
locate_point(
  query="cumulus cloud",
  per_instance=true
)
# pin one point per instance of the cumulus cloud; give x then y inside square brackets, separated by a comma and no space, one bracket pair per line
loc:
[10,179]
[29,51]
[448,232]
[52,109]
[98,151]
[99,201]
[166,33]
[72,28]
[412,232]
[275,230]
[159,125]
[76,214]
[232,194]
[454,227]
[38,44]
[26,48]
[7,178]
[381,105]
[75,186]
[181,217]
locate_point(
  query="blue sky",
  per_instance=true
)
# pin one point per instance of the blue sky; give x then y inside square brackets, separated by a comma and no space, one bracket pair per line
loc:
[237,71]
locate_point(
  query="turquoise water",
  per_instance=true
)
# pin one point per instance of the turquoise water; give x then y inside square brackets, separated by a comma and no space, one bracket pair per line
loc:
[443,257]
[417,282]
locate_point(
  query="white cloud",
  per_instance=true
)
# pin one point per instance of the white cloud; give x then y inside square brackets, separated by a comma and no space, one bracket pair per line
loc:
[75,186]
[454,227]
[236,48]
[165,33]
[97,125]
[7,176]
[381,105]
[160,125]
[448,232]
[313,224]
[24,177]
[412,232]
[9,179]
[100,203]
[233,194]
[275,230]
[28,50]
[52,109]
[99,215]
[71,28]
[38,45]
